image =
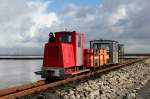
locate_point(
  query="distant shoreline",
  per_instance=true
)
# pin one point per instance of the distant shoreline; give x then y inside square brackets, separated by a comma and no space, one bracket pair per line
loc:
[39,57]
[20,57]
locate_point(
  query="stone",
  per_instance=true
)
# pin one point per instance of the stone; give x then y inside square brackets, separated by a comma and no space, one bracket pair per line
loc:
[65,97]
[131,96]
[93,93]
[77,96]
[103,97]
[88,89]
[40,97]
[72,97]
[71,92]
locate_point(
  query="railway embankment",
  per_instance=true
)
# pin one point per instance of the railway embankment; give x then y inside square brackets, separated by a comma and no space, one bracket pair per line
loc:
[123,83]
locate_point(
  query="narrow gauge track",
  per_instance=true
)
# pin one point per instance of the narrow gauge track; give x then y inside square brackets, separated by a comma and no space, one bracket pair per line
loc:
[16,92]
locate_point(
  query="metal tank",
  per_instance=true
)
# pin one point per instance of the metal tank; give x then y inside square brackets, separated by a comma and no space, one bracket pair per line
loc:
[110,46]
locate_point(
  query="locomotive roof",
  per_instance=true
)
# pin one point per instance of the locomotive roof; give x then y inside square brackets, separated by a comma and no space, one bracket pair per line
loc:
[104,40]
[67,32]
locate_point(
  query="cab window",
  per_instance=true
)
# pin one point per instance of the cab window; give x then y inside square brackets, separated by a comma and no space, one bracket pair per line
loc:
[65,38]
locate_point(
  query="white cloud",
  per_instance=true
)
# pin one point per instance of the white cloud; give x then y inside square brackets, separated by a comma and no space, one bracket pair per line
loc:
[22,20]
[118,15]
[26,23]
[127,21]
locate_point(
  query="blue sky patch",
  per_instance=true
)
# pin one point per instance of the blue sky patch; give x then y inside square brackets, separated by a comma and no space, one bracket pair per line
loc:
[58,5]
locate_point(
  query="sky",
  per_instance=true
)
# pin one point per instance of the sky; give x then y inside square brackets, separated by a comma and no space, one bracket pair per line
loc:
[25,24]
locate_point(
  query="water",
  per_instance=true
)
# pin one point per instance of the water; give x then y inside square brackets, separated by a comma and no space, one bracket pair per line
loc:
[18,72]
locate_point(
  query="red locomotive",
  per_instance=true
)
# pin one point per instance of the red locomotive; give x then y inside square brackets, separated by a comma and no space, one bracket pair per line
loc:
[65,55]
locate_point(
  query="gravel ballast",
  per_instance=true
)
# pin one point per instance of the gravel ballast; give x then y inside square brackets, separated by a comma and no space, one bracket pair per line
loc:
[123,83]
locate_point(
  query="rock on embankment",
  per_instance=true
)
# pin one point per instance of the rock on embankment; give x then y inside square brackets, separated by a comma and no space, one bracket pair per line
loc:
[120,84]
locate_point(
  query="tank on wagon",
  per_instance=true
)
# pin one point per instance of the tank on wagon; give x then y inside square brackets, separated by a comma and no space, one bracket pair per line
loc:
[110,46]
[95,59]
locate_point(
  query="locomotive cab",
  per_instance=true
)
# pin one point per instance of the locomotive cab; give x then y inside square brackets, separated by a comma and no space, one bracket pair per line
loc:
[64,55]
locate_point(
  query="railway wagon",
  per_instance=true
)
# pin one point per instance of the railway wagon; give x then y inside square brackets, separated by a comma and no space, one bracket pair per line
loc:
[65,56]
[110,46]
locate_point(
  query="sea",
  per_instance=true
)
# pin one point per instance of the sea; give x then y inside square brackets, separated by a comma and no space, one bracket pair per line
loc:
[15,72]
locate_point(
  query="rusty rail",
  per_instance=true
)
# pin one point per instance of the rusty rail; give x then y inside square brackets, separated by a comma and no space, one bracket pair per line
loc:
[12,90]
[16,92]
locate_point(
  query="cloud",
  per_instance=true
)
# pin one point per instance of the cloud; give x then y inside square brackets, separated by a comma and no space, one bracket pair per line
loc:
[123,20]
[25,24]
